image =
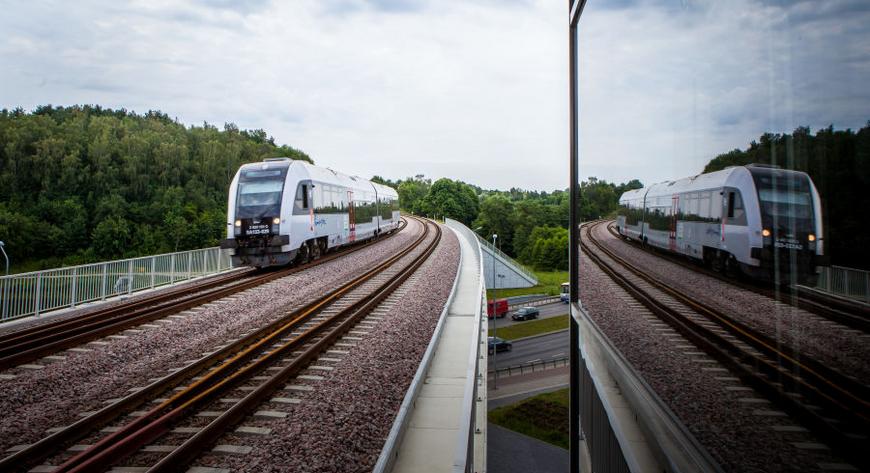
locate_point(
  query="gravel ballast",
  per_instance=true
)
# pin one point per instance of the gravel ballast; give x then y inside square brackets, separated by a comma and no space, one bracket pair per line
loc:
[835,345]
[40,399]
[740,429]
[342,423]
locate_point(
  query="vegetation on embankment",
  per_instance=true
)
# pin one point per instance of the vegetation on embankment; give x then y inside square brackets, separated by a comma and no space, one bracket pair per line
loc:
[544,417]
[549,283]
[532,327]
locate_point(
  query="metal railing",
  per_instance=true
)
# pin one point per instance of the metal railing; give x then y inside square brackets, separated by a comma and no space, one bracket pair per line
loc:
[517,266]
[536,302]
[34,293]
[846,282]
[530,367]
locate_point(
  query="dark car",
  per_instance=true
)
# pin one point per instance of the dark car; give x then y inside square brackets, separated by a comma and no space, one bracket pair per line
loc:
[499,344]
[526,313]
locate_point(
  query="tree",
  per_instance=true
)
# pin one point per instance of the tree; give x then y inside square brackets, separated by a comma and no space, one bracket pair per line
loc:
[453,199]
[547,249]
[412,191]
[497,216]
[111,237]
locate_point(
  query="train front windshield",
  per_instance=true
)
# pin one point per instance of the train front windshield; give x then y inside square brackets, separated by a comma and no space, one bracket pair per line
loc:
[786,201]
[260,194]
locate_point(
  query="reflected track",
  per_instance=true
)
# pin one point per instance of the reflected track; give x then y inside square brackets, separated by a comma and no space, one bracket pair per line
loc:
[834,406]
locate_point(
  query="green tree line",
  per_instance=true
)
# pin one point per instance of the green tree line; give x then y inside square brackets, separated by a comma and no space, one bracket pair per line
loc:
[532,226]
[85,183]
[838,161]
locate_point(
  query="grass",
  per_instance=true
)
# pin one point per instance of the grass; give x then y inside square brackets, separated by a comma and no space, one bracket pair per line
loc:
[534,327]
[544,417]
[549,282]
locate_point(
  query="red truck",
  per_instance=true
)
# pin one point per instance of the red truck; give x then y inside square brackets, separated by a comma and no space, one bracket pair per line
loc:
[500,307]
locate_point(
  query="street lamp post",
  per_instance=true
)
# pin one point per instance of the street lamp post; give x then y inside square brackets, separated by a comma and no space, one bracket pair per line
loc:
[494,318]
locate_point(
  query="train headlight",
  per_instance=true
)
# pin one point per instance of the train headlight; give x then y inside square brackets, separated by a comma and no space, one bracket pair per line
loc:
[276,220]
[765,233]
[238,223]
[811,237]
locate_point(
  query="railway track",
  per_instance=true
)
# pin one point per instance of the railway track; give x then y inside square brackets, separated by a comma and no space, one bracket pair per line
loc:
[32,343]
[851,315]
[283,349]
[834,406]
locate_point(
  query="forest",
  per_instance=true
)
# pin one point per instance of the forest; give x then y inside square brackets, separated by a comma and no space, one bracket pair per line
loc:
[532,226]
[84,183]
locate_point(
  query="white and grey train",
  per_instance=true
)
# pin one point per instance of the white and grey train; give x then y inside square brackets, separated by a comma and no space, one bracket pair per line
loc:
[281,211]
[760,220]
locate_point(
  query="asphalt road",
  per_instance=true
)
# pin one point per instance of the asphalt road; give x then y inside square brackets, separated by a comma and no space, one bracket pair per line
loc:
[512,452]
[547,311]
[545,347]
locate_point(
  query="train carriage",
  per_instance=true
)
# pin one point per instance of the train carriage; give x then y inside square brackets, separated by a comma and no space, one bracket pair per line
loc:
[760,220]
[282,211]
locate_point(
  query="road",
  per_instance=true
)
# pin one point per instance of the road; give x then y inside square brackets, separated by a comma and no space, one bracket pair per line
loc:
[547,311]
[545,347]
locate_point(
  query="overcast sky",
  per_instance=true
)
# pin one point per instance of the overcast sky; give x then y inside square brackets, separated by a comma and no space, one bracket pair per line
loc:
[473,90]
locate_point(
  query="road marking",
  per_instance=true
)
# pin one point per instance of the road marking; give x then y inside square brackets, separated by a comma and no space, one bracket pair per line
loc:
[558,355]
[533,361]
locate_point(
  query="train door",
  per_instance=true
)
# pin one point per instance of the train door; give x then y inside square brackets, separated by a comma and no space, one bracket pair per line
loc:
[672,232]
[350,217]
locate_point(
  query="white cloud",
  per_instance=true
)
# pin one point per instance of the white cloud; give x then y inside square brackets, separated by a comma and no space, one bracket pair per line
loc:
[473,90]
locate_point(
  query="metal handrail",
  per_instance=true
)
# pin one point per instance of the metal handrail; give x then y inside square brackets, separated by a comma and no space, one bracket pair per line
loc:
[37,292]
[847,282]
[536,302]
[519,267]
[522,368]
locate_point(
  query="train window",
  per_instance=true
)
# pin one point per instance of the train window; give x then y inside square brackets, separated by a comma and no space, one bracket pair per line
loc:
[730,205]
[304,191]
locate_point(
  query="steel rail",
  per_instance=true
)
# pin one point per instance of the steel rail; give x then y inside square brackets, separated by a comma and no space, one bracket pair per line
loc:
[28,345]
[156,421]
[768,375]
[853,393]
[843,313]
[41,449]
[188,451]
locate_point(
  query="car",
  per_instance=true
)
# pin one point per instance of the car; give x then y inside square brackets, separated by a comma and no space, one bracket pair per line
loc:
[526,313]
[499,344]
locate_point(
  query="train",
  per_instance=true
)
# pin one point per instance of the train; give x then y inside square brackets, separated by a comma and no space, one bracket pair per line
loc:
[756,220]
[283,211]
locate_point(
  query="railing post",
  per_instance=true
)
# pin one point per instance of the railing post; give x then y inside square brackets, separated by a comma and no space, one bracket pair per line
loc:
[75,284]
[103,284]
[172,269]
[38,294]
[153,263]
[5,297]
[130,277]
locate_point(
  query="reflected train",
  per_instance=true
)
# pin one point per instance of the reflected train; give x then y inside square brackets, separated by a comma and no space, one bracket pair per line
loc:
[283,211]
[758,220]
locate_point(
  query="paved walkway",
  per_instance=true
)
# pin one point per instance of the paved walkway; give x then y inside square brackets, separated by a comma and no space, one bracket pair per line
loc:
[510,452]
